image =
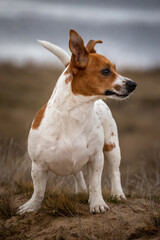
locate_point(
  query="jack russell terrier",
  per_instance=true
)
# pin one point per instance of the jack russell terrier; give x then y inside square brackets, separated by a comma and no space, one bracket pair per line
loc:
[76,127]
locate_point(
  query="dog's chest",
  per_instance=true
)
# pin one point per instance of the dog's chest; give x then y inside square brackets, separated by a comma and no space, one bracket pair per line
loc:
[67,145]
[70,154]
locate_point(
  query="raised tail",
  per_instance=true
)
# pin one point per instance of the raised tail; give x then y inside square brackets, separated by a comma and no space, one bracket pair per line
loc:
[59,52]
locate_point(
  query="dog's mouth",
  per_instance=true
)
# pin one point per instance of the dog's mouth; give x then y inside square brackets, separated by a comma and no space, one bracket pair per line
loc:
[111,93]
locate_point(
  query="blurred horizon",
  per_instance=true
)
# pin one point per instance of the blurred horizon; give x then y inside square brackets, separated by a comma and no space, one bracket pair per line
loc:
[130,30]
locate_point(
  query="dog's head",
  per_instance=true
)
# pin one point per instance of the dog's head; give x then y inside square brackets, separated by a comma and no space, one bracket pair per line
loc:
[94,74]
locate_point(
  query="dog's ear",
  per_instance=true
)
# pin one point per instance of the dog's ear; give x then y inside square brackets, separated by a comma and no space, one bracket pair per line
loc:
[90,45]
[80,54]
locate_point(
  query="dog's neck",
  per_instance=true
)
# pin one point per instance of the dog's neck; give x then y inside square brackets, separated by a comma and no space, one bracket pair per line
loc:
[64,101]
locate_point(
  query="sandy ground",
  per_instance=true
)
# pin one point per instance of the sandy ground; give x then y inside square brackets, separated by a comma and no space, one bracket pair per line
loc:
[134,219]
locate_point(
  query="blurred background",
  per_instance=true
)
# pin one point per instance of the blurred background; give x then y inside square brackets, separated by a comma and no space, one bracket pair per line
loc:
[130,31]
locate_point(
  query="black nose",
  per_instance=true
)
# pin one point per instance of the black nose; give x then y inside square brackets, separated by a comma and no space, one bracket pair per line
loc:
[130,85]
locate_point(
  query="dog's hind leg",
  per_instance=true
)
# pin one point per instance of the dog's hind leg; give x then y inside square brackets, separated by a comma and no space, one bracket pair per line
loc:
[80,184]
[39,177]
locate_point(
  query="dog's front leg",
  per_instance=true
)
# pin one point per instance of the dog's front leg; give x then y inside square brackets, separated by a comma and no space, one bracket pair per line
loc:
[39,177]
[95,167]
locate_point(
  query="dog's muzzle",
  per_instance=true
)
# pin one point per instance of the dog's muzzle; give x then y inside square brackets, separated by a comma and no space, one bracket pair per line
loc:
[127,88]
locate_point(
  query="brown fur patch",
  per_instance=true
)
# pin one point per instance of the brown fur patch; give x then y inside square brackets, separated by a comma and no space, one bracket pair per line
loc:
[38,118]
[90,45]
[117,87]
[90,81]
[109,147]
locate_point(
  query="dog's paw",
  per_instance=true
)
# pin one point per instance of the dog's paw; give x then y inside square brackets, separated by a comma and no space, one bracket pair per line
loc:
[119,197]
[27,207]
[98,206]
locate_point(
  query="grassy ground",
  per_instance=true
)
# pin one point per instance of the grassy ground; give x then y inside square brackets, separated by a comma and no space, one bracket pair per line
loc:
[63,215]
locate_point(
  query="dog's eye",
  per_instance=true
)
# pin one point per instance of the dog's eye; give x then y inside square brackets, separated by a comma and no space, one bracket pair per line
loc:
[105,71]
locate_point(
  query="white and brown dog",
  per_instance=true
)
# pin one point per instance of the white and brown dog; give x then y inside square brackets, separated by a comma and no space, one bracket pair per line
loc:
[76,127]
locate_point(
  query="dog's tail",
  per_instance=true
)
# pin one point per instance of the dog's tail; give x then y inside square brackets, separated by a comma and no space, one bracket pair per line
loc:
[59,52]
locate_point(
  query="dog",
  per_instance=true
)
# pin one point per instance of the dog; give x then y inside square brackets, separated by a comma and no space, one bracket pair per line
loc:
[76,127]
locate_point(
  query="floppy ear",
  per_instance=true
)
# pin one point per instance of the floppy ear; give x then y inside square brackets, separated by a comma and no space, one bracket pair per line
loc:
[90,45]
[80,54]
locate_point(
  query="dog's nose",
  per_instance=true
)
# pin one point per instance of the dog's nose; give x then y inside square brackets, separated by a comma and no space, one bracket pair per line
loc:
[130,85]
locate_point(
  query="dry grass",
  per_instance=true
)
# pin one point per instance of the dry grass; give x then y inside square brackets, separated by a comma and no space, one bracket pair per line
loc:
[10,233]
[146,182]
[64,204]
[10,158]
[7,206]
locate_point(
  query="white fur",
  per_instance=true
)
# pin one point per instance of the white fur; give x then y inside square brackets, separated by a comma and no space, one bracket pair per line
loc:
[72,133]
[59,52]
